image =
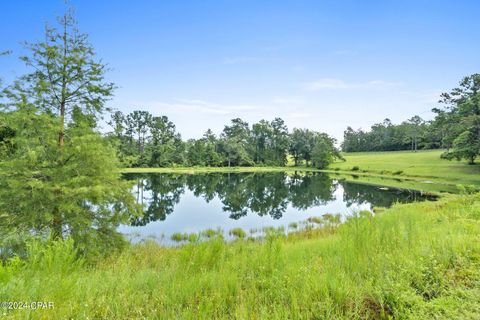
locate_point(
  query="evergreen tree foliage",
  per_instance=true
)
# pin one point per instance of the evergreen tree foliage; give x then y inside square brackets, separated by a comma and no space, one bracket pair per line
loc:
[58,175]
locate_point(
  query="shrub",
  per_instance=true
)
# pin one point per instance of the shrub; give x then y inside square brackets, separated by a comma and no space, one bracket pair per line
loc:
[177,237]
[54,257]
[210,233]
[193,238]
[467,189]
[316,220]
[238,233]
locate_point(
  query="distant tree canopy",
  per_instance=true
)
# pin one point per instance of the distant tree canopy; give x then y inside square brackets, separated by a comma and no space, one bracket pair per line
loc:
[144,140]
[413,134]
[456,128]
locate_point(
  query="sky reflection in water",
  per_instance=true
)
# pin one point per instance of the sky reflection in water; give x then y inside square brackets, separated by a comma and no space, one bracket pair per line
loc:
[191,203]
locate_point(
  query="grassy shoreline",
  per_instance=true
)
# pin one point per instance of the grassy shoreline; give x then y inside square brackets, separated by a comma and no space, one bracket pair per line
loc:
[413,261]
[193,170]
[423,170]
[401,182]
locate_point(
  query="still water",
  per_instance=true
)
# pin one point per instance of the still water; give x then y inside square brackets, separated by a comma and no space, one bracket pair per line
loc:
[190,203]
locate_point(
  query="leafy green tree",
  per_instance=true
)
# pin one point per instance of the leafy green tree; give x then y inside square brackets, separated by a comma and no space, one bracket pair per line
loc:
[261,138]
[6,137]
[139,123]
[196,152]
[74,191]
[382,134]
[280,141]
[118,123]
[66,74]
[123,141]
[145,140]
[432,136]
[164,142]
[295,145]
[235,152]
[322,155]
[308,144]
[414,130]
[212,157]
[301,145]
[324,151]
[202,152]
[235,143]
[465,146]
[442,127]
[352,140]
[461,119]
[412,134]
[269,142]
[61,178]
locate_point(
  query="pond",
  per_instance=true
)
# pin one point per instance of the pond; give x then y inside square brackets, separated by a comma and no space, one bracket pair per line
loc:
[189,203]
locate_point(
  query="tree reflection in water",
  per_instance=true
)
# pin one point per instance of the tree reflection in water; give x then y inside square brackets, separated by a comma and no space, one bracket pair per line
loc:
[258,193]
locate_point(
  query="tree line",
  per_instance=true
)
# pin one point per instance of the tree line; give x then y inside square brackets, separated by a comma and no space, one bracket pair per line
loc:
[144,140]
[455,128]
[413,134]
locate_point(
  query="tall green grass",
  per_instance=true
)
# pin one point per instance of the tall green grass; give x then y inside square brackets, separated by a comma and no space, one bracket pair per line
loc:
[413,261]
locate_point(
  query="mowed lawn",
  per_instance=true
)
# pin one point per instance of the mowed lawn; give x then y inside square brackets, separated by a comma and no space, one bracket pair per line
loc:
[421,164]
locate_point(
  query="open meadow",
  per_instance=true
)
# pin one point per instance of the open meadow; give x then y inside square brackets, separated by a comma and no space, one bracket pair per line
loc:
[423,164]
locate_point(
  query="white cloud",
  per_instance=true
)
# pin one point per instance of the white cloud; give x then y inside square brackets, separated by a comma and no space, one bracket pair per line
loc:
[335,84]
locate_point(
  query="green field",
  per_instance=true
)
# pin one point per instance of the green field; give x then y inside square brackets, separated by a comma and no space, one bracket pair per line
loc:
[425,165]
[414,261]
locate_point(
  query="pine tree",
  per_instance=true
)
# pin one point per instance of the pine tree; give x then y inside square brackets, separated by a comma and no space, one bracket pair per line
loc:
[61,178]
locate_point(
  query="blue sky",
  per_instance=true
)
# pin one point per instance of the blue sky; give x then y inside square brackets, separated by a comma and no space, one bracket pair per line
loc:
[317,64]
